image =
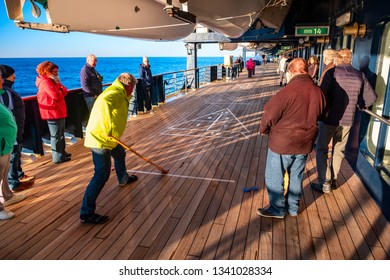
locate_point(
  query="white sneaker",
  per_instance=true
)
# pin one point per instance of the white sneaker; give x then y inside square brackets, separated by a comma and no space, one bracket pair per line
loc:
[5,215]
[15,199]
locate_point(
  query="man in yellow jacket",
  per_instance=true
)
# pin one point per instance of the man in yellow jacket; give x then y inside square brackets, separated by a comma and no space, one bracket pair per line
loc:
[108,118]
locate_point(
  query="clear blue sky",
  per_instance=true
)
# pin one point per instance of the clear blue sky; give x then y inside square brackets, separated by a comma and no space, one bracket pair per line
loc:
[16,42]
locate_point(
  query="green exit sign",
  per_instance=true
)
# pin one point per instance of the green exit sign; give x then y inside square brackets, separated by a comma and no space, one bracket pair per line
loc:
[311,30]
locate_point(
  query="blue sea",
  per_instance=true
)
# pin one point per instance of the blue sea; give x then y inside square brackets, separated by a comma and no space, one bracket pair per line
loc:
[108,67]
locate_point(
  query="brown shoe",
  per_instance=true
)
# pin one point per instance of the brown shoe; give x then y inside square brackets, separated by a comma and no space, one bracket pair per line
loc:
[26,179]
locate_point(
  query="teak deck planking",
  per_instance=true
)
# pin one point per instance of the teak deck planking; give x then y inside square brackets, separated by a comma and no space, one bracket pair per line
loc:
[199,209]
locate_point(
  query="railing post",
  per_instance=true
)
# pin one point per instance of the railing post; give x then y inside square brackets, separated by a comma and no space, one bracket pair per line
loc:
[197,78]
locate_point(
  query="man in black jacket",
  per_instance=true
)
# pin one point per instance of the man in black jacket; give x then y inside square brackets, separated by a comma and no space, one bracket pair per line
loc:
[11,99]
[145,75]
[345,88]
[91,81]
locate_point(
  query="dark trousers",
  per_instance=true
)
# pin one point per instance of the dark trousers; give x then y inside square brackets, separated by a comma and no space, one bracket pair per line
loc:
[102,162]
[57,139]
[15,171]
[148,97]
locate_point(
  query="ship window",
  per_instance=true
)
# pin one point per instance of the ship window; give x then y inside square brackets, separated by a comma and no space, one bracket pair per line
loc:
[383,65]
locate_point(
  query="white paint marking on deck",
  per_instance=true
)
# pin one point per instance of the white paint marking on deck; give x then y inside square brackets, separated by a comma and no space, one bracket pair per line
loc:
[223,114]
[211,125]
[183,176]
[202,136]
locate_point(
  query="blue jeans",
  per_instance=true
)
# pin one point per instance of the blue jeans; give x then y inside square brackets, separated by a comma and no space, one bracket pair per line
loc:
[276,167]
[102,162]
[15,171]
[57,139]
[89,101]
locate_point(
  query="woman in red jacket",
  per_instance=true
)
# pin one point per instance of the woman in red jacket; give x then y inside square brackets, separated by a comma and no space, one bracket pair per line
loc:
[250,66]
[52,107]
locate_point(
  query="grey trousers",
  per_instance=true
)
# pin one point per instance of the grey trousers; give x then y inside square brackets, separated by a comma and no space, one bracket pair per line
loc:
[337,135]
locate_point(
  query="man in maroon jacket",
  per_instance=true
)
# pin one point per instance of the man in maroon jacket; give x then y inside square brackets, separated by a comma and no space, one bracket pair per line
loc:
[290,118]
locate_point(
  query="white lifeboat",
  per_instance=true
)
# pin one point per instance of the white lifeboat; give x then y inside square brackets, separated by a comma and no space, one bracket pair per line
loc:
[152,19]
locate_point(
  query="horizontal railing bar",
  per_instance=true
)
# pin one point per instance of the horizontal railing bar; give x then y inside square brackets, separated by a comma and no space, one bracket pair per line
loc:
[382,119]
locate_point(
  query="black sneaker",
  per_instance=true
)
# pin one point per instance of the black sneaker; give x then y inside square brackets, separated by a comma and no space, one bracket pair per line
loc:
[65,159]
[131,179]
[264,212]
[316,187]
[93,219]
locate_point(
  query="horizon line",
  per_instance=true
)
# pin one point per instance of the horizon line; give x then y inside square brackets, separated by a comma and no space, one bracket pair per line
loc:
[101,56]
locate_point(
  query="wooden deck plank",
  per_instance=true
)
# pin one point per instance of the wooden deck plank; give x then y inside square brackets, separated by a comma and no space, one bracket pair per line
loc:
[279,244]
[292,239]
[212,242]
[161,239]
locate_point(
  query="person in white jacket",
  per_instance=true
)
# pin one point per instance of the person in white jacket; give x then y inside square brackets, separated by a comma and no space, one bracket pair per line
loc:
[281,69]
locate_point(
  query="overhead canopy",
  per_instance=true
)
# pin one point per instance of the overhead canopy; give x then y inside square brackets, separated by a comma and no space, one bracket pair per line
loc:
[151,19]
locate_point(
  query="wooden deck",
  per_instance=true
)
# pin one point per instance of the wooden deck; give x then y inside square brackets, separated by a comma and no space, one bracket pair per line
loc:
[209,141]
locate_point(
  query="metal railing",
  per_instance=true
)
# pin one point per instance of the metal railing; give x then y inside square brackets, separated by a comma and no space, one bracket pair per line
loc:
[36,129]
[180,81]
[382,119]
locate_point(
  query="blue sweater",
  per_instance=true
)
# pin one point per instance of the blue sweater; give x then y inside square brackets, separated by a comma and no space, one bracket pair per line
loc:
[91,81]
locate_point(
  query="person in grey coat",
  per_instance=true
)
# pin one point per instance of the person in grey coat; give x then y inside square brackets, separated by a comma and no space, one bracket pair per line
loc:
[346,89]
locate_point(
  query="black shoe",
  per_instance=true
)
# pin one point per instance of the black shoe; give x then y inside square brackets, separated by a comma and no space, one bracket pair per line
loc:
[335,185]
[316,187]
[325,188]
[67,154]
[264,212]
[63,160]
[93,219]
[280,84]
[132,179]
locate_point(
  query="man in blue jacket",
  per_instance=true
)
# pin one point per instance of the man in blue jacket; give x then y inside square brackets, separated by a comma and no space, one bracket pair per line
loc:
[145,75]
[91,81]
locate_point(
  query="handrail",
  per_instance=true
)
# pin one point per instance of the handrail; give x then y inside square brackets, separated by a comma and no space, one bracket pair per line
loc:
[382,119]
[193,69]
[36,129]
[181,79]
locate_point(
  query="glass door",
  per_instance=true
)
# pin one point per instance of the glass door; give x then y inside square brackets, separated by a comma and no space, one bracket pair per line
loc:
[380,106]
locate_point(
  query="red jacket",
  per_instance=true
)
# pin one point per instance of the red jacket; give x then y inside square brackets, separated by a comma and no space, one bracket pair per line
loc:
[290,116]
[250,65]
[51,98]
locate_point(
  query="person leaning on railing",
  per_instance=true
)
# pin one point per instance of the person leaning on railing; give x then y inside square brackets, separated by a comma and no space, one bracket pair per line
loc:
[91,81]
